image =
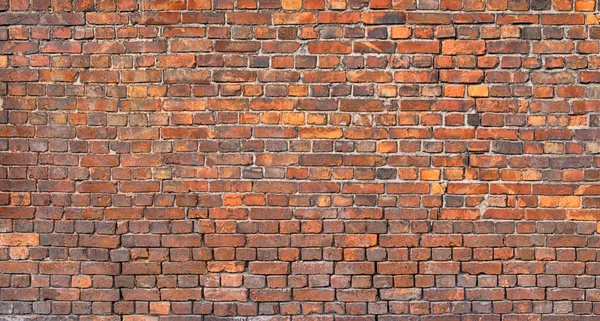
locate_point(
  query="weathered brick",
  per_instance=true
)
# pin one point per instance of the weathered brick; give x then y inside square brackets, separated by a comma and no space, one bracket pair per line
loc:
[463,47]
[302,160]
[330,47]
[20,239]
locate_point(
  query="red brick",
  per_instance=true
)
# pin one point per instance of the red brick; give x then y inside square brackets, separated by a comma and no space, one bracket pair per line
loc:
[270,295]
[300,18]
[20,239]
[299,160]
[355,268]
[268,268]
[236,46]
[180,294]
[61,268]
[61,47]
[477,268]
[225,295]
[330,47]
[186,76]
[324,76]
[324,295]
[356,295]
[399,240]
[184,268]
[463,47]
[397,267]
[443,294]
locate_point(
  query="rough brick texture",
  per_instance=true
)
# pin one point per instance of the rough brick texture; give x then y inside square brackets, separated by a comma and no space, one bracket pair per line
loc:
[299,160]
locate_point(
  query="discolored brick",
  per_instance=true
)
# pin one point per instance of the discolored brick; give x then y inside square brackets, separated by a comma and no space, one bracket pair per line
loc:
[303,160]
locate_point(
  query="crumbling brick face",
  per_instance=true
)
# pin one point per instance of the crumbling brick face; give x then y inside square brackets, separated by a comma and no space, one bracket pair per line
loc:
[299,160]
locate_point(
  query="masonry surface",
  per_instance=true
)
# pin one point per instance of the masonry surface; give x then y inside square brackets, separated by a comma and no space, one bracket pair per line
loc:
[299,160]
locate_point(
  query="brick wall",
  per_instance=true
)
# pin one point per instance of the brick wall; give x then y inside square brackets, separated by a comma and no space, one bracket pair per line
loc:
[316,160]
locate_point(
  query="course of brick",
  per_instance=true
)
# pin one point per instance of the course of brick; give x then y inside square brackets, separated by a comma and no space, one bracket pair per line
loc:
[299,160]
